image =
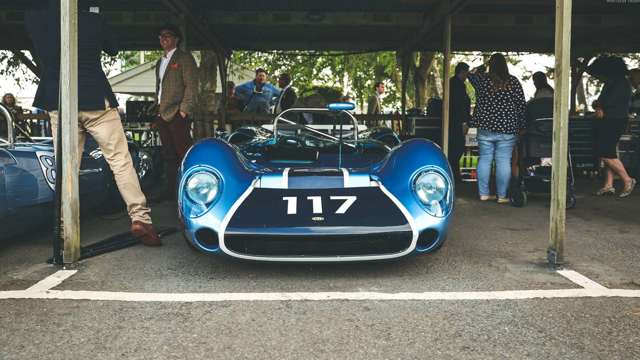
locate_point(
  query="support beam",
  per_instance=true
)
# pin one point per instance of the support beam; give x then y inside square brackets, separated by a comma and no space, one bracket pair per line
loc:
[446,85]
[223,64]
[69,135]
[555,251]
[405,59]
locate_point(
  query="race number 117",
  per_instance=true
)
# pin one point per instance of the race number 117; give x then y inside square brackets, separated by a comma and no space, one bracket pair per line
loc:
[316,202]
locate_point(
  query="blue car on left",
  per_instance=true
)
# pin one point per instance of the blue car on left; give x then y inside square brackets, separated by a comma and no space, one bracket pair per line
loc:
[27,178]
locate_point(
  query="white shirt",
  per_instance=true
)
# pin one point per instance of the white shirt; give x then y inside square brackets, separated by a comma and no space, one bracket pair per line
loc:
[164,63]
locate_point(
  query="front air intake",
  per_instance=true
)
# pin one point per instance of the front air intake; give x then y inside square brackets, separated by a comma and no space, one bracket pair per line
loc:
[427,239]
[208,239]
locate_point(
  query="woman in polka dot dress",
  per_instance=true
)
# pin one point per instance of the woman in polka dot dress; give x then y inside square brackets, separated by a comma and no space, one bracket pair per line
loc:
[499,117]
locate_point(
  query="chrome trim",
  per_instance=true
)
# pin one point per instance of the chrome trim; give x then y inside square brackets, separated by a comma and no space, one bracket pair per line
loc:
[236,205]
[9,119]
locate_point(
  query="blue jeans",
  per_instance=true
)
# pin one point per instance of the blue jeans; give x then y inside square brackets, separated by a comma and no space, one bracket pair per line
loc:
[499,147]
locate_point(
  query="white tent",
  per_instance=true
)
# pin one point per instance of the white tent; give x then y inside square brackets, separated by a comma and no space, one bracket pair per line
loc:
[141,80]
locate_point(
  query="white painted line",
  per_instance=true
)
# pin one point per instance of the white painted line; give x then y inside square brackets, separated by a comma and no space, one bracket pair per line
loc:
[319,296]
[580,279]
[51,281]
[42,290]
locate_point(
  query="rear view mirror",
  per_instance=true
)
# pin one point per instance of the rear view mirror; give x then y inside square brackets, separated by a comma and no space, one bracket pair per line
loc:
[346,106]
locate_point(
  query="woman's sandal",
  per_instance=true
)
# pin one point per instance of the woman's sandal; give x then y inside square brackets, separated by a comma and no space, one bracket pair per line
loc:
[605,191]
[628,189]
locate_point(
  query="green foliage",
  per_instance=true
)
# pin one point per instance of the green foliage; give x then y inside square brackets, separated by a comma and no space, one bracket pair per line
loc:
[352,73]
[12,67]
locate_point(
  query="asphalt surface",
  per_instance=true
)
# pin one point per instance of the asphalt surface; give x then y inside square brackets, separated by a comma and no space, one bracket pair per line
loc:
[491,247]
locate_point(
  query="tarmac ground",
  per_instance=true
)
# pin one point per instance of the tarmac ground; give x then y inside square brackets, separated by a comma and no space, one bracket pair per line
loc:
[486,294]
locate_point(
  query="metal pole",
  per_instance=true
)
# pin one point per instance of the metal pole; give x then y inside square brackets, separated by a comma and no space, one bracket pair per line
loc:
[69,135]
[445,87]
[555,252]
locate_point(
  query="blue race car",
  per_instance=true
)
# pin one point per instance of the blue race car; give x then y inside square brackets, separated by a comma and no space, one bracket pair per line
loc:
[315,186]
[27,178]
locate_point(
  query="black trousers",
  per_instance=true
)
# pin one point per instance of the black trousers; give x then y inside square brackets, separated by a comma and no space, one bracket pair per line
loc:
[176,141]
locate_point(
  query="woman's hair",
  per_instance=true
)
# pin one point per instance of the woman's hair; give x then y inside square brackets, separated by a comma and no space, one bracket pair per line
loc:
[498,71]
[462,66]
[608,67]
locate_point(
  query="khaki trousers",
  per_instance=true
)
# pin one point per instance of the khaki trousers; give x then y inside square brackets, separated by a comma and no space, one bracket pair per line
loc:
[106,128]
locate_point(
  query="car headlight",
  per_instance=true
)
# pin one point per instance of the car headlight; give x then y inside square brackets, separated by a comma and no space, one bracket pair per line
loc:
[202,188]
[432,190]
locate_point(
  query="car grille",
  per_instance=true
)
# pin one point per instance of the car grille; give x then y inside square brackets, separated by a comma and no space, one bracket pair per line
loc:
[319,245]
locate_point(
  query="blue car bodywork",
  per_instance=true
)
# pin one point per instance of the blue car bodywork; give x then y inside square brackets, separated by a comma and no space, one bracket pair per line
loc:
[27,179]
[290,193]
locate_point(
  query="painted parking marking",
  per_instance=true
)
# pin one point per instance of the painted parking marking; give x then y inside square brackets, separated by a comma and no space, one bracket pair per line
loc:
[580,279]
[43,290]
[51,281]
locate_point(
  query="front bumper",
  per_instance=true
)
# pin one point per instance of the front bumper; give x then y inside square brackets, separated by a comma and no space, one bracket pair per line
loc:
[261,225]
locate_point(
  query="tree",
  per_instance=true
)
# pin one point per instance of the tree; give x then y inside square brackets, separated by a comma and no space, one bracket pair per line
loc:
[353,73]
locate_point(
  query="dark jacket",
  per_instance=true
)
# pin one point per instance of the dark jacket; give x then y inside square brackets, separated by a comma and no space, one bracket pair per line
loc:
[459,111]
[540,108]
[615,98]
[286,100]
[93,38]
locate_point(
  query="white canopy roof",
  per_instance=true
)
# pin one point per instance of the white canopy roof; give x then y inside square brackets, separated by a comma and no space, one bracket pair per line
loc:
[141,80]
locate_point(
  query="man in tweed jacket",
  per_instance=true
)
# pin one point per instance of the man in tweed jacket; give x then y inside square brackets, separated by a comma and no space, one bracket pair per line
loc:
[176,86]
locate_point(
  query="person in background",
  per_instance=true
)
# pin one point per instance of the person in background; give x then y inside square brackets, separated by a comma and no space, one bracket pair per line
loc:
[543,89]
[499,117]
[257,96]
[287,96]
[9,101]
[97,105]
[460,115]
[374,104]
[233,103]
[612,116]
[176,88]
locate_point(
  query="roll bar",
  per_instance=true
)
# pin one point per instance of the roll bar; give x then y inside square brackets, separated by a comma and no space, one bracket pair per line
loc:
[281,118]
[9,120]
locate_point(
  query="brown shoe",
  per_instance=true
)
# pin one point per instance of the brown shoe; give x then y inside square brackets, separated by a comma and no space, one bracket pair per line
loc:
[146,233]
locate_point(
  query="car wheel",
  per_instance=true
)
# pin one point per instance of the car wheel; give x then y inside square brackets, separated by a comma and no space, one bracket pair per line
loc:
[518,197]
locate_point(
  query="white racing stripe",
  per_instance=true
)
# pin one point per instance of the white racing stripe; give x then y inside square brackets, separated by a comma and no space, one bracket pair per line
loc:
[345,175]
[42,290]
[285,178]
